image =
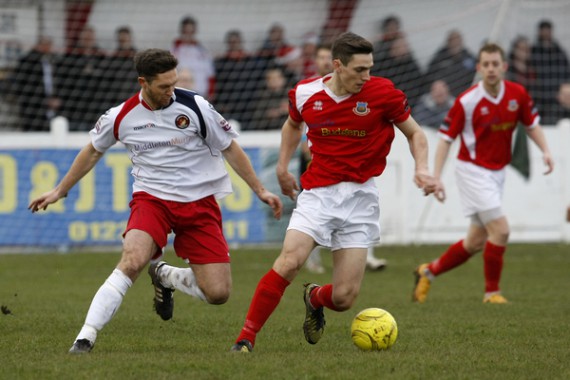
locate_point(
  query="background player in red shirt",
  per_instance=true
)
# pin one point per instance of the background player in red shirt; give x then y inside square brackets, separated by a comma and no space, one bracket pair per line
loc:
[485,116]
[350,118]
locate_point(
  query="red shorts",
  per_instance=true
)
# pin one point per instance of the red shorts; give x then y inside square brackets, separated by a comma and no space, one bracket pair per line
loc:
[197,227]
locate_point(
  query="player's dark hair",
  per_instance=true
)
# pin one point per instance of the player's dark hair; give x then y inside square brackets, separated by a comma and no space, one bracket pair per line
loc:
[491,47]
[349,44]
[151,62]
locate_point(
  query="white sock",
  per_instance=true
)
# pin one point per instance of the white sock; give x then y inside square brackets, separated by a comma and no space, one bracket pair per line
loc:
[182,279]
[105,304]
[370,253]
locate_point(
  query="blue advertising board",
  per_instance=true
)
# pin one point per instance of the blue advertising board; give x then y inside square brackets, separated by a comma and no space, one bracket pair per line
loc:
[96,210]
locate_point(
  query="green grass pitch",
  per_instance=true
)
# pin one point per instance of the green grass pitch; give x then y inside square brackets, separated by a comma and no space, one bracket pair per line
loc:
[452,336]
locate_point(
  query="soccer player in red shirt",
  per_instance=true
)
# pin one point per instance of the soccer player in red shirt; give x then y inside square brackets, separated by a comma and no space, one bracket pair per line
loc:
[350,117]
[485,116]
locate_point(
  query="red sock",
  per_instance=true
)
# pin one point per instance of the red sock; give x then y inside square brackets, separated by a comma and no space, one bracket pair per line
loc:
[322,296]
[267,295]
[453,257]
[493,265]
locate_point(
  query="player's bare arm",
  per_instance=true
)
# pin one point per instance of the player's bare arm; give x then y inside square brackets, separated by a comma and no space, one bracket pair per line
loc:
[419,149]
[290,137]
[239,161]
[83,163]
[536,134]
[441,153]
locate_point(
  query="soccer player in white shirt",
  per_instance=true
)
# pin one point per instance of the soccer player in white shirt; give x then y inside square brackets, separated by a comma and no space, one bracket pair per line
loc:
[177,143]
[485,116]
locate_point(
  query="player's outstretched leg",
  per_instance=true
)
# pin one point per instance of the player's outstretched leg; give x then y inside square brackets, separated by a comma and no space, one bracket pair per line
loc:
[103,307]
[314,324]
[163,299]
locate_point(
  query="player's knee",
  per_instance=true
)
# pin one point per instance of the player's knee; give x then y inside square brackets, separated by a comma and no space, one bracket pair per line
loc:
[131,264]
[218,295]
[499,233]
[500,237]
[344,298]
[472,246]
[288,264]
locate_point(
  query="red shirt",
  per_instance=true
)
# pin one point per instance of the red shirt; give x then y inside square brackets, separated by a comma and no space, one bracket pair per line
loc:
[486,124]
[351,135]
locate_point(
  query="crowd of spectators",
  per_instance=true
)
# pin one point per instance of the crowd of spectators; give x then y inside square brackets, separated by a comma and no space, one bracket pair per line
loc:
[251,86]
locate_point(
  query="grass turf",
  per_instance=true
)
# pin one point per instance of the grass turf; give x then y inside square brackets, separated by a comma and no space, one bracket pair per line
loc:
[452,336]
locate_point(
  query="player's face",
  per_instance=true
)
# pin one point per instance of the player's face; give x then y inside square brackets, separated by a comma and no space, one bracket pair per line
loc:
[159,91]
[492,68]
[323,61]
[355,74]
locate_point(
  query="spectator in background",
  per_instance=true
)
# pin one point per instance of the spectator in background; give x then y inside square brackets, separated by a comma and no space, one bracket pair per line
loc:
[553,113]
[520,69]
[551,64]
[454,64]
[433,106]
[308,54]
[119,78]
[390,30]
[400,66]
[193,55]
[186,79]
[276,51]
[272,102]
[79,75]
[275,45]
[238,74]
[33,87]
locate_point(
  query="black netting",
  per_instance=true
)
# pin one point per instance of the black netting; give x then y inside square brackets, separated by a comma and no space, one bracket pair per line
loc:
[244,58]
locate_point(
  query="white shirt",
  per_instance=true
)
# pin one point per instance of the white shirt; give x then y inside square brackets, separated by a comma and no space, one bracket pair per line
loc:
[175,156]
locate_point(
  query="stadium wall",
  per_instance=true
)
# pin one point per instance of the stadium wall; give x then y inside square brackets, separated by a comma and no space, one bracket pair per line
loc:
[96,210]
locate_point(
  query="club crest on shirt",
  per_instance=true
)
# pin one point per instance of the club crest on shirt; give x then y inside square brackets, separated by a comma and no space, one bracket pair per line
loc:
[182,121]
[98,125]
[318,106]
[226,126]
[513,105]
[361,109]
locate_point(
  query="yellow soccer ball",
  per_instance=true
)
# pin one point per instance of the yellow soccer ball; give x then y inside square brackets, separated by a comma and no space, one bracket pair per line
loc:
[374,329]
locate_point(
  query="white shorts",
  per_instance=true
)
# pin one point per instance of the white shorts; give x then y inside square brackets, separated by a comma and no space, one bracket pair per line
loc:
[344,215]
[480,189]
